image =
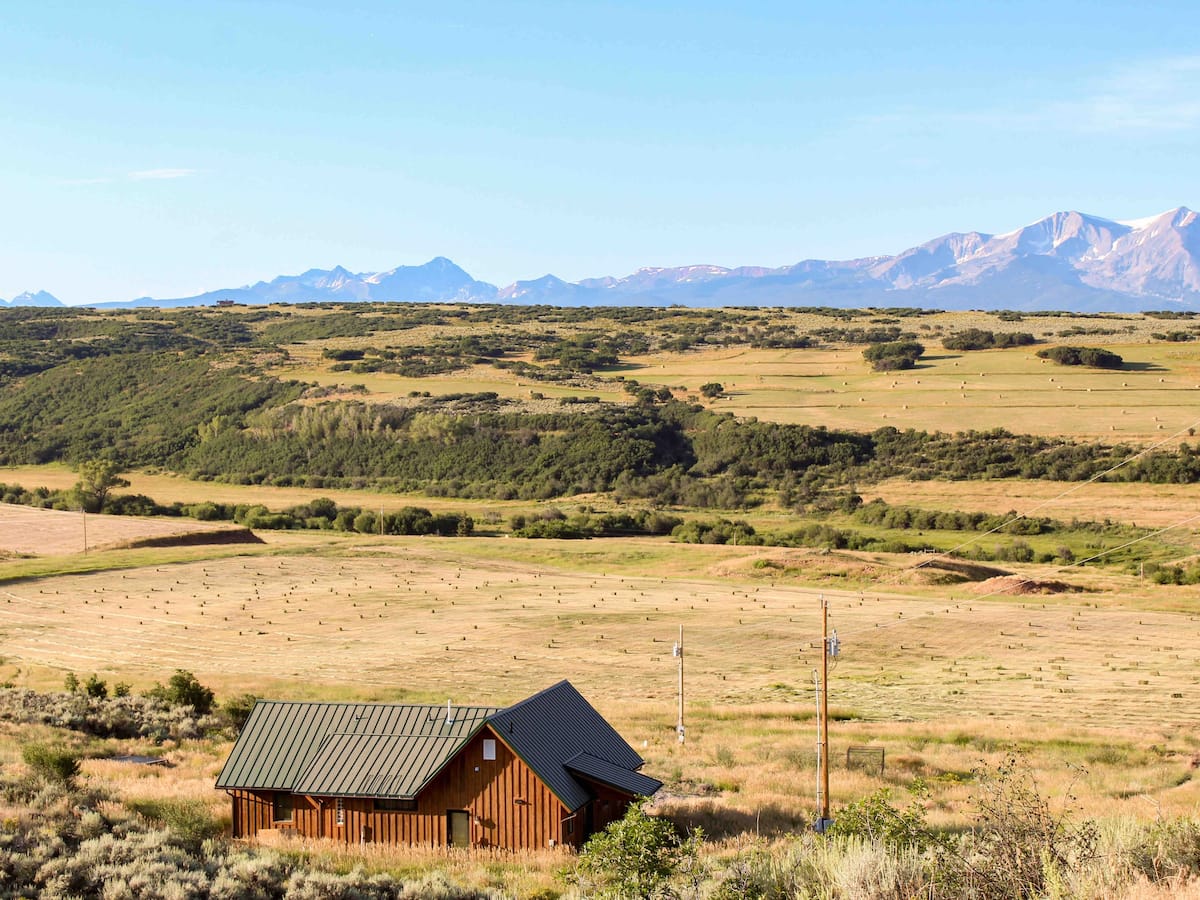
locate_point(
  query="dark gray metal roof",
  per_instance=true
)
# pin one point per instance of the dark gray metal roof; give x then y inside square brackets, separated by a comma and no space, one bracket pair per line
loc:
[393,750]
[554,726]
[281,740]
[606,773]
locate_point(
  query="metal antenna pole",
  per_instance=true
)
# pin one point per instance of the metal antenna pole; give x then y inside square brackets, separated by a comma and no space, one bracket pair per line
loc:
[824,710]
[679,655]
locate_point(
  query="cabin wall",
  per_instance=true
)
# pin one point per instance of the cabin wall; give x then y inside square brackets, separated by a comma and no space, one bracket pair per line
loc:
[509,808]
[608,806]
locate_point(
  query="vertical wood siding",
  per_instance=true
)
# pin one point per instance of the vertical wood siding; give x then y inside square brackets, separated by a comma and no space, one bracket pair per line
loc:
[510,808]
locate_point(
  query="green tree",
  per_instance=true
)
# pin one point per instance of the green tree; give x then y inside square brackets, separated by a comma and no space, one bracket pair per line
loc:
[94,687]
[97,478]
[183,689]
[712,390]
[634,857]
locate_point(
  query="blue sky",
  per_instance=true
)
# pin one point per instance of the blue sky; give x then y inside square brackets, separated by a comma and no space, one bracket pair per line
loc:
[168,148]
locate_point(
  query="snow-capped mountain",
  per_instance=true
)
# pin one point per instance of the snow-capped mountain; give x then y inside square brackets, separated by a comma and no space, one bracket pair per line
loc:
[1068,261]
[40,298]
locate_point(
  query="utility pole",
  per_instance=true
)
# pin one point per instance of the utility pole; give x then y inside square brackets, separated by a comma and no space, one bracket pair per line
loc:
[829,647]
[677,652]
[83,513]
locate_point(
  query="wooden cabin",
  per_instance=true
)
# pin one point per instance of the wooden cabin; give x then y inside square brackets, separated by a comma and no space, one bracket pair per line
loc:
[546,772]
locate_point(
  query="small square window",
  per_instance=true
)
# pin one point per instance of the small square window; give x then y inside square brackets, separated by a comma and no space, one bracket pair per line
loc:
[489,748]
[340,809]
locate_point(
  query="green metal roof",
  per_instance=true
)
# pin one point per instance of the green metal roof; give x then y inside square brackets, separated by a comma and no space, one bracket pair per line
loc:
[281,741]
[392,750]
[376,765]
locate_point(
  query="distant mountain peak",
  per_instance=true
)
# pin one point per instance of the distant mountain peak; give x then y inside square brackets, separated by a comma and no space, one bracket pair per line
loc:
[1066,260]
[35,298]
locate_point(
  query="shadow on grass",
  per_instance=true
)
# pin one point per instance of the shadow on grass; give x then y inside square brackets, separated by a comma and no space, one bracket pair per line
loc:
[721,821]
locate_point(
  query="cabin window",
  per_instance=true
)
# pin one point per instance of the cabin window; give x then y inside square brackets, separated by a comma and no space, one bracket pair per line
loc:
[282,810]
[489,748]
[339,809]
[402,805]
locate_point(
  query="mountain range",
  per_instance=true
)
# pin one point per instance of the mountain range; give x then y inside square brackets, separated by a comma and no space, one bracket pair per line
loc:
[1066,261]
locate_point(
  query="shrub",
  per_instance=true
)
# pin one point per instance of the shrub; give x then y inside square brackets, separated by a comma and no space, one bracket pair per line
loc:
[980,339]
[893,355]
[94,687]
[1083,356]
[880,821]
[184,690]
[55,765]
[237,709]
[635,856]
[188,820]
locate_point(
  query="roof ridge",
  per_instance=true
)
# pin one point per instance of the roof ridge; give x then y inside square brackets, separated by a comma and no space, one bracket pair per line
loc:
[403,734]
[533,697]
[376,703]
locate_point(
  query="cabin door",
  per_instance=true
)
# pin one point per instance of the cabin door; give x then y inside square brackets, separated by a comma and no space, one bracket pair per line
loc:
[458,827]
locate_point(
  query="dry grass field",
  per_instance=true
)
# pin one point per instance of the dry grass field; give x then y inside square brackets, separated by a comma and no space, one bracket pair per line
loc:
[943,682]
[1099,686]
[25,531]
[1153,397]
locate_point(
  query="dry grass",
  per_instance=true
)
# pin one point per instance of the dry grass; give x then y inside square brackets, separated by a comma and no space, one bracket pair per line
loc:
[1150,505]
[943,683]
[948,391]
[28,531]
[517,874]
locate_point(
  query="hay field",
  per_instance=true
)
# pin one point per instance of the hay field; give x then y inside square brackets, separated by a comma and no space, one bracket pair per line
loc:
[943,681]
[950,392]
[26,531]
[1154,396]
[410,617]
[166,488]
[1151,505]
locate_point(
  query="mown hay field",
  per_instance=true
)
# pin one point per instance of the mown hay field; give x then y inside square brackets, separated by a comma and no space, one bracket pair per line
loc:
[1152,397]
[50,532]
[945,682]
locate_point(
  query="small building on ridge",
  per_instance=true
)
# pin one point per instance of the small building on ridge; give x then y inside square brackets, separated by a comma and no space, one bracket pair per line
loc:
[544,772]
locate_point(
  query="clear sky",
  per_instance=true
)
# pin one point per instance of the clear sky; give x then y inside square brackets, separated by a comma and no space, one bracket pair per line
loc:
[166,148]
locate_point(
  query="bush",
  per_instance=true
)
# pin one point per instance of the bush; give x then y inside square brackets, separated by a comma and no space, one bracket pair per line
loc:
[880,821]
[55,765]
[1083,356]
[237,709]
[979,339]
[94,687]
[635,856]
[184,690]
[188,820]
[893,355]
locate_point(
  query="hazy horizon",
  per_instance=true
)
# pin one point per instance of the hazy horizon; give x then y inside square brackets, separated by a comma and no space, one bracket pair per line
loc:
[167,150]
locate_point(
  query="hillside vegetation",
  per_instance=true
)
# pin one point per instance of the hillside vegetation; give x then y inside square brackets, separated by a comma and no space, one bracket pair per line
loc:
[473,501]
